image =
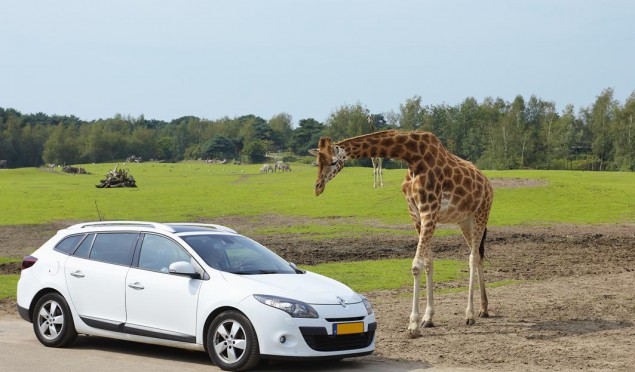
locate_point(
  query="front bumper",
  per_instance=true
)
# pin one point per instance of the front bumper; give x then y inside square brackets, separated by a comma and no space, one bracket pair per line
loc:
[283,337]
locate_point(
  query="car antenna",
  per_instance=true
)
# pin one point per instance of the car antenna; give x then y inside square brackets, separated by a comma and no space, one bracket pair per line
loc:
[98,214]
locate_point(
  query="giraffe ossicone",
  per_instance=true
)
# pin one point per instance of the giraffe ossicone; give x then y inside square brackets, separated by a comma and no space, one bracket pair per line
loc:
[439,187]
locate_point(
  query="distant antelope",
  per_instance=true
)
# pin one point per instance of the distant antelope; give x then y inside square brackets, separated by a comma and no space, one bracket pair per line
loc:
[283,167]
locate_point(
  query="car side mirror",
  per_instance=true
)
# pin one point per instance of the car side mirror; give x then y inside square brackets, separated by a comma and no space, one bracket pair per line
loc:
[183,268]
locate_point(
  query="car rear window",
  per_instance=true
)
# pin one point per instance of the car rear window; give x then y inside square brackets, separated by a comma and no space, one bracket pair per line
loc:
[68,244]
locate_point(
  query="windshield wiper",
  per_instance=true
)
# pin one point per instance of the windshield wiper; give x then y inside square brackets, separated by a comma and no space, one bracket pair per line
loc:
[296,269]
[256,272]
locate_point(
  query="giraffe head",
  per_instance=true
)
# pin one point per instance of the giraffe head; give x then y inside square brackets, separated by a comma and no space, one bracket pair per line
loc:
[330,160]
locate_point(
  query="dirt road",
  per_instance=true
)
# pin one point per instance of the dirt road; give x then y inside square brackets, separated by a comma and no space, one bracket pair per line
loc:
[573,307]
[20,351]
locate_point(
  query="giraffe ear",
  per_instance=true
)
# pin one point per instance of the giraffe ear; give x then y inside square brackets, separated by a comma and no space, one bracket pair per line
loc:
[325,143]
[313,152]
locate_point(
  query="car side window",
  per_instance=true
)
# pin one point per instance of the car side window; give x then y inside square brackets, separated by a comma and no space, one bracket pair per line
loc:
[116,248]
[158,252]
[68,244]
[84,248]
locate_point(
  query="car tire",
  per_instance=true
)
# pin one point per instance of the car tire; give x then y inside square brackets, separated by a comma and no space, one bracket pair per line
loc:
[232,342]
[53,321]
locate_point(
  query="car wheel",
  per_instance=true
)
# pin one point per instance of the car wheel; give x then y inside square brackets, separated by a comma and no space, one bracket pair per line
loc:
[232,342]
[53,322]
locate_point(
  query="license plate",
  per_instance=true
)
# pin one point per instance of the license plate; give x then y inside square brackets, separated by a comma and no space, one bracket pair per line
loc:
[348,328]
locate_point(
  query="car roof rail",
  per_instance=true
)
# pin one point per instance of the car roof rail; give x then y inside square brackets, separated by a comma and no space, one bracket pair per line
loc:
[207,225]
[153,225]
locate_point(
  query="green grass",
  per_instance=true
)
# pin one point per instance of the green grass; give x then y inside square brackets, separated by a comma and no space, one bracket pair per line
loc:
[190,191]
[8,260]
[365,276]
[569,197]
[8,285]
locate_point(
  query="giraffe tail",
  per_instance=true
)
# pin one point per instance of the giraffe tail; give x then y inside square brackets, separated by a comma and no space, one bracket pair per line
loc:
[481,248]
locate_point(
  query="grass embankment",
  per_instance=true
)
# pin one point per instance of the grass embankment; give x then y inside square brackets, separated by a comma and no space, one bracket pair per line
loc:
[193,190]
[8,286]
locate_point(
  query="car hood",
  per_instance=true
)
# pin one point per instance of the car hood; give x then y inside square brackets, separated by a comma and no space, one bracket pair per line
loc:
[311,288]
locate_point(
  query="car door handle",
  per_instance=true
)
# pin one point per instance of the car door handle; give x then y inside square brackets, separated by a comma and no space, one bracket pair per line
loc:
[77,274]
[135,285]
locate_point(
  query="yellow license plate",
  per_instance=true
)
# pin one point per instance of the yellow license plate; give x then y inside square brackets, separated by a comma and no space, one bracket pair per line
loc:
[348,328]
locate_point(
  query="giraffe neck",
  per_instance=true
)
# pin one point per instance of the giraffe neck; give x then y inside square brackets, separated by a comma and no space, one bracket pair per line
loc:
[410,147]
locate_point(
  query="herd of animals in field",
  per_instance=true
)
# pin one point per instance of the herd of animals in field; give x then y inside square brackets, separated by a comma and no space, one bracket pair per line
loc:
[278,166]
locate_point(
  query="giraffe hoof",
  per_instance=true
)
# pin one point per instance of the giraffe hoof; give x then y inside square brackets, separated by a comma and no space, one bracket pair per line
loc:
[427,324]
[483,314]
[414,333]
[469,322]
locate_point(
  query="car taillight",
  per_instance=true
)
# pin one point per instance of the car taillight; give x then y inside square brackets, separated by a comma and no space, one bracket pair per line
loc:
[28,261]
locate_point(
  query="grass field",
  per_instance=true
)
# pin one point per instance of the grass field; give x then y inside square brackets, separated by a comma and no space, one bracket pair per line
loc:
[362,276]
[193,190]
[8,285]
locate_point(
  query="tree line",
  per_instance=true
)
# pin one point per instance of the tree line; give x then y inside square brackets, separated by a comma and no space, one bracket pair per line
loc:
[494,134]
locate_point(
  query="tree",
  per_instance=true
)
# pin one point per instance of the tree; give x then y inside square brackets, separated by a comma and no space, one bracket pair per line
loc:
[254,128]
[472,126]
[255,152]
[378,122]
[348,121]
[282,131]
[411,114]
[165,146]
[625,136]
[61,147]
[142,142]
[306,136]
[219,147]
[602,120]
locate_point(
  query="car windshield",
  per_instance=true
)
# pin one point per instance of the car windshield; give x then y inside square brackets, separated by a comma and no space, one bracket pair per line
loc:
[237,255]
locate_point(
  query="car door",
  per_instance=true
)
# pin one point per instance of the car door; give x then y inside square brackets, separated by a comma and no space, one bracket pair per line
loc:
[160,304]
[95,277]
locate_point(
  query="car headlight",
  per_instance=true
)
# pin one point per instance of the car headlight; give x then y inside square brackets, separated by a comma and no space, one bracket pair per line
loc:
[369,307]
[297,309]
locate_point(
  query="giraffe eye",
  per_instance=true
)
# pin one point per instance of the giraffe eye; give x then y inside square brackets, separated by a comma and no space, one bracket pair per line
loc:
[333,163]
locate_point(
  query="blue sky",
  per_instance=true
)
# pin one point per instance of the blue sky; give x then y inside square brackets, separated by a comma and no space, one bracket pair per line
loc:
[166,59]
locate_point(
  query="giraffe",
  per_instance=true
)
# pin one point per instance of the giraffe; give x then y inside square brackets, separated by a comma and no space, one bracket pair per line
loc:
[377,161]
[439,187]
[377,172]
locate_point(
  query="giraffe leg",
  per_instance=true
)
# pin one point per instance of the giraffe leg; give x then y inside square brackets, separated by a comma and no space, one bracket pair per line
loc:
[467,228]
[423,259]
[483,313]
[374,161]
[474,236]
[428,264]
[415,317]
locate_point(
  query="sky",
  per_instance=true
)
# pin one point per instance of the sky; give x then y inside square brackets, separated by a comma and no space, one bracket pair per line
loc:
[164,59]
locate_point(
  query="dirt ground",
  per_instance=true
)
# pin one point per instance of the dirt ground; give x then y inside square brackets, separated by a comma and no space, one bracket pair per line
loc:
[572,309]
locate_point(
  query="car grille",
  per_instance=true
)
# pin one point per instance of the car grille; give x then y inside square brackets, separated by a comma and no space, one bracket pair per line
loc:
[318,339]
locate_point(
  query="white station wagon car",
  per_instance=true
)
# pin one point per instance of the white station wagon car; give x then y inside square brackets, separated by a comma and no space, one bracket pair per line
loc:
[193,286]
